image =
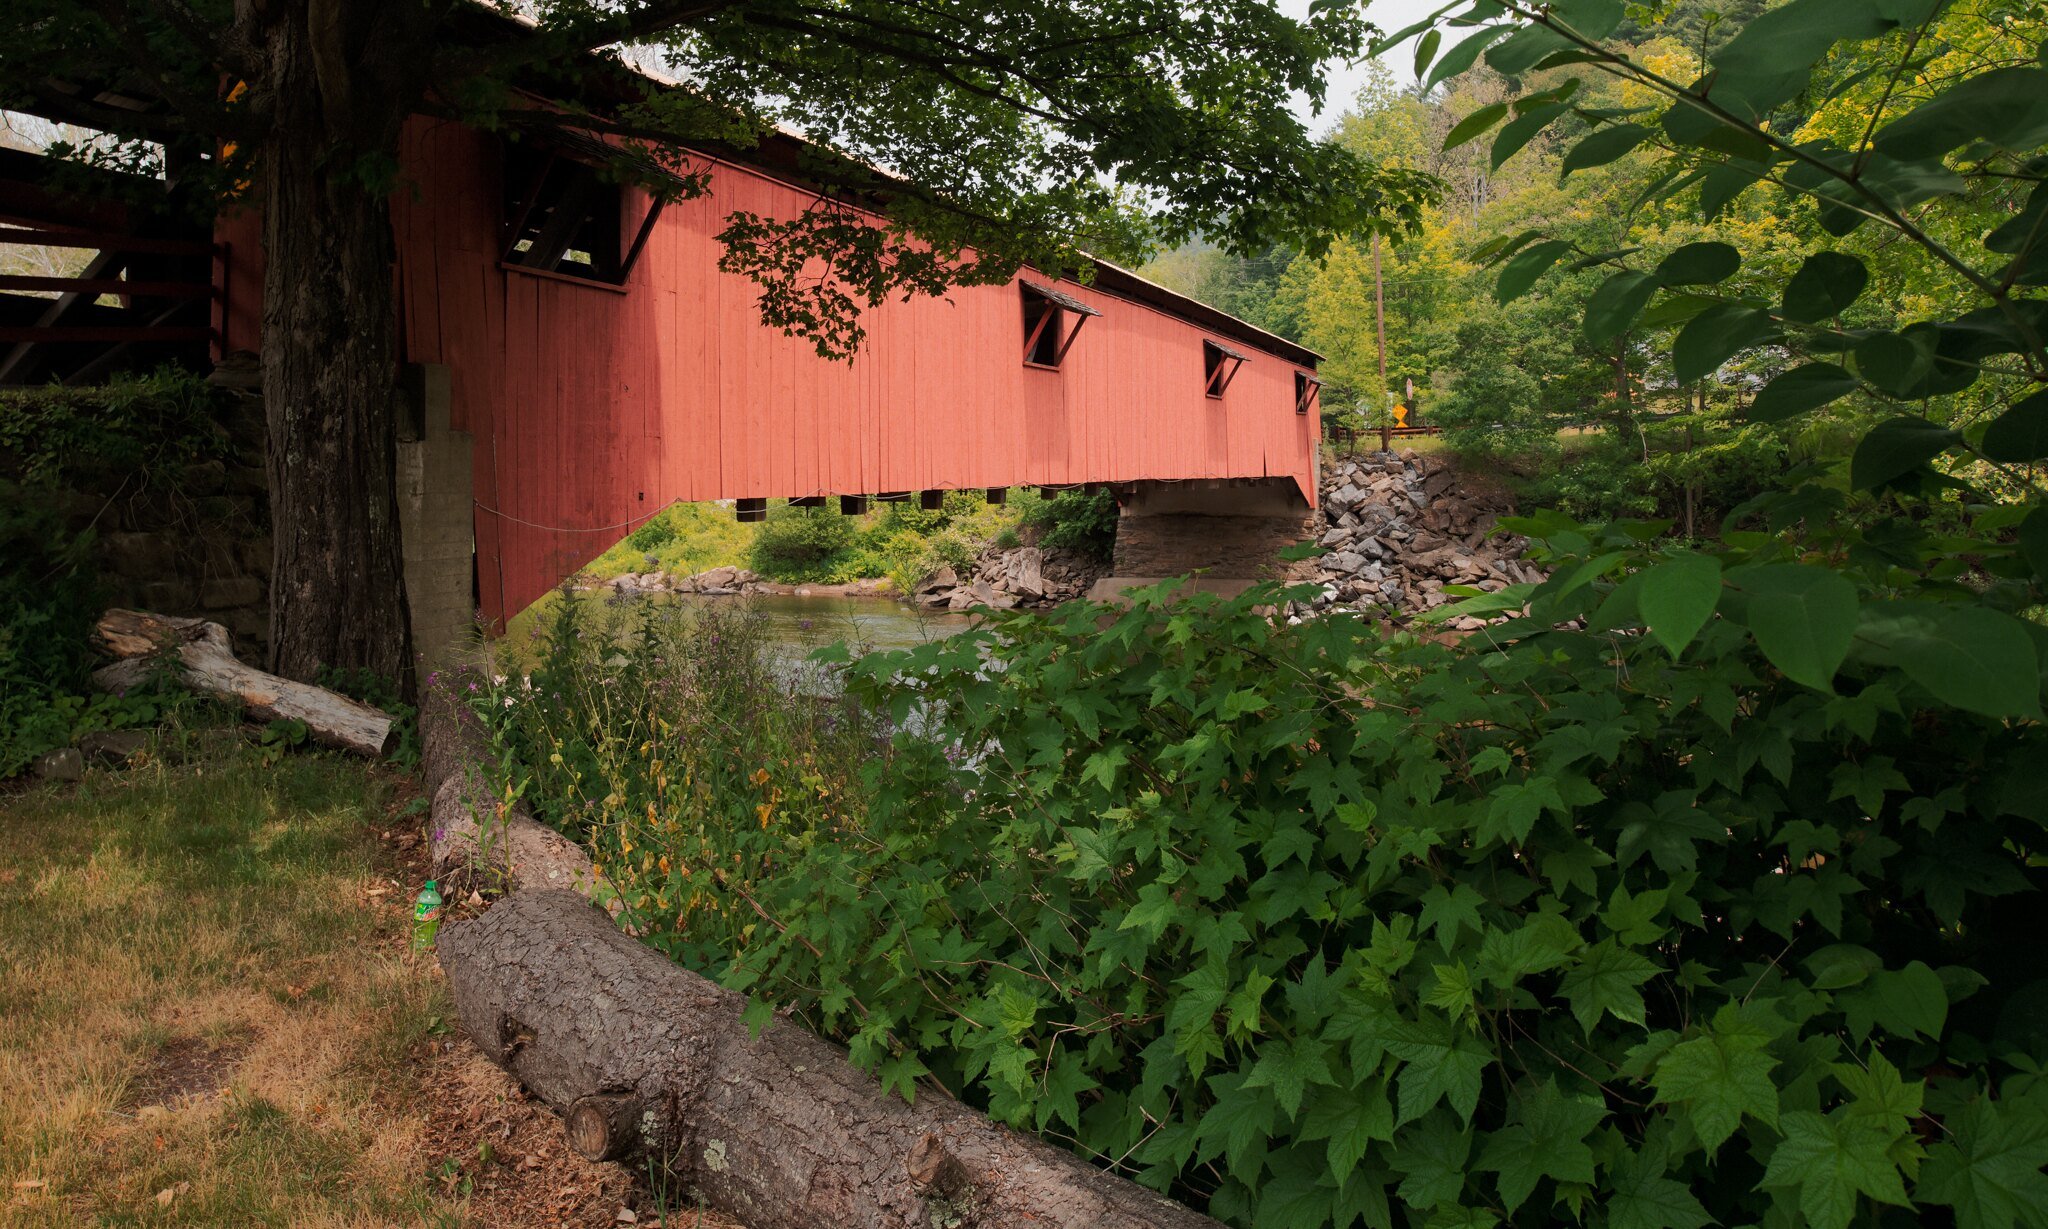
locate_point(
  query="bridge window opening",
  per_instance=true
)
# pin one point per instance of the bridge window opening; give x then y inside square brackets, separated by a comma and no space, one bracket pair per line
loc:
[1306,388]
[1220,365]
[562,217]
[1047,335]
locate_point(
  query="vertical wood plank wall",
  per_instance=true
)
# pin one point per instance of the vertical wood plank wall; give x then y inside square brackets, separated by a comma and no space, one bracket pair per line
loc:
[591,409]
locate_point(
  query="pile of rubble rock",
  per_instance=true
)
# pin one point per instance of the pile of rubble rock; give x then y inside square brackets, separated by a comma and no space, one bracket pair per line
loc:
[1017,576]
[1401,526]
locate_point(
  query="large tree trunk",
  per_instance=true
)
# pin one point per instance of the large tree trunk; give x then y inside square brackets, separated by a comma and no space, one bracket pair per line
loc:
[337,596]
[644,1058]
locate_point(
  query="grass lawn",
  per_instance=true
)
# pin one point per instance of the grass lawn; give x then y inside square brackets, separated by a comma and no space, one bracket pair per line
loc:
[206,1012]
[209,1016]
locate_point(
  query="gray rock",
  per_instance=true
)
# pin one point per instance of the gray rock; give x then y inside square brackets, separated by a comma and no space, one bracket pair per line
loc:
[63,764]
[1336,537]
[943,579]
[1024,568]
[112,746]
[1345,563]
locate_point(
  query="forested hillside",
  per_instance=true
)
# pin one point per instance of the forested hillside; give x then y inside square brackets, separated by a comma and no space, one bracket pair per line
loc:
[1504,379]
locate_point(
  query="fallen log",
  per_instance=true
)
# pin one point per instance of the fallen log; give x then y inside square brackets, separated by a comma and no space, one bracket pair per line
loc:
[207,663]
[480,839]
[646,1059]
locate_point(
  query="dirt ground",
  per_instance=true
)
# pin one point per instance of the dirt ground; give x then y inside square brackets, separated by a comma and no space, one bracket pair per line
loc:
[209,1016]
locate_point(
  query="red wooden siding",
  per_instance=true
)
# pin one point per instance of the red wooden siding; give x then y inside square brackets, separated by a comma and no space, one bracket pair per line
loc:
[593,409]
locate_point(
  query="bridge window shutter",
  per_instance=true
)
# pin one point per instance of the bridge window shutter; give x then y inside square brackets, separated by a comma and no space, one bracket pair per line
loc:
[1220,365]
[1052,320]
[1306,387]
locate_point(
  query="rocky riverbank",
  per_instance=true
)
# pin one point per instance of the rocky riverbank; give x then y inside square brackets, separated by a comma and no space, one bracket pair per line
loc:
[732,581]
[1397,528]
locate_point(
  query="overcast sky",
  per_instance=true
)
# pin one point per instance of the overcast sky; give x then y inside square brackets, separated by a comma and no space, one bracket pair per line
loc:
[1388,15]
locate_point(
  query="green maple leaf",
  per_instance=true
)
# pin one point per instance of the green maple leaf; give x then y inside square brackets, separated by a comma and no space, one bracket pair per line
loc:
[1240,1117]
[1442,1063]
[1444,911]
[1989,1170]
[1350,1119]
[1642,1197]
[1291,1192]
[1719,1078]
[1879,1094]
[1605,980]
[1065,1080]
[1431,1157]
[1288,1068]
[1831,1160]
[1548,1140]
[1514,809]
[1154,910]
[1540,944]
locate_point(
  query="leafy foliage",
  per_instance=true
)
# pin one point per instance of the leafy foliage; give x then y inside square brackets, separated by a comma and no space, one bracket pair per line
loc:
[794,542]
[1083,521]
[1671,917]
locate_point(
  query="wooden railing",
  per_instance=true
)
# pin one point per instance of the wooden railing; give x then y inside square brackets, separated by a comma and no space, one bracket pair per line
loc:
[154,310]
[1348,437]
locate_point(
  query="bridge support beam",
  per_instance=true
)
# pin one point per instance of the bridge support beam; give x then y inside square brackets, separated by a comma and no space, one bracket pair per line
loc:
[1229,533]
[436,518]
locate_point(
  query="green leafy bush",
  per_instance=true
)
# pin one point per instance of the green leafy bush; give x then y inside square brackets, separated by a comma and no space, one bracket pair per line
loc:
[50,436]
[652,536]
[1082,521]
[1723,920]
[797,544]
[49,598]
[130,434]
[1717,908]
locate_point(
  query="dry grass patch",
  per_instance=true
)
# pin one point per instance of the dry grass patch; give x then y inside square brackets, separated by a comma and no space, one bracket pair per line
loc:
[206,1014]
[209,1016]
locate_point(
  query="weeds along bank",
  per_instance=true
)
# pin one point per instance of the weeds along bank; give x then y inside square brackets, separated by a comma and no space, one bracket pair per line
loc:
[1704,893]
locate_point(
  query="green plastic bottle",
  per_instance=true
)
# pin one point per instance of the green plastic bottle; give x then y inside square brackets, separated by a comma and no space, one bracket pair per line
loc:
[426,917]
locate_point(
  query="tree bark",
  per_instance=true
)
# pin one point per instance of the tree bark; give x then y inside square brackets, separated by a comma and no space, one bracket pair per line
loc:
[778,1130]
[207,663]
[329,349]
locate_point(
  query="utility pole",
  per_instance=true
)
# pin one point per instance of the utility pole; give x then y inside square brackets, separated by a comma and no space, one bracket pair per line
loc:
[1379,312]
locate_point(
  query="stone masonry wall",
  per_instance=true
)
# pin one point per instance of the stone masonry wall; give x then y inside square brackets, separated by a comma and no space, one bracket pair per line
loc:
[194,541]
[1228,530]
[1233,547]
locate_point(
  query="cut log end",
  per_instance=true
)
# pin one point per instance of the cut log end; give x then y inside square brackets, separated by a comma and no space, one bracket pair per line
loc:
[604,1126]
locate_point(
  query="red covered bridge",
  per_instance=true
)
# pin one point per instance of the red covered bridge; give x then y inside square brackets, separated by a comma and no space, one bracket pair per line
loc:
[578,362]
[604,367]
